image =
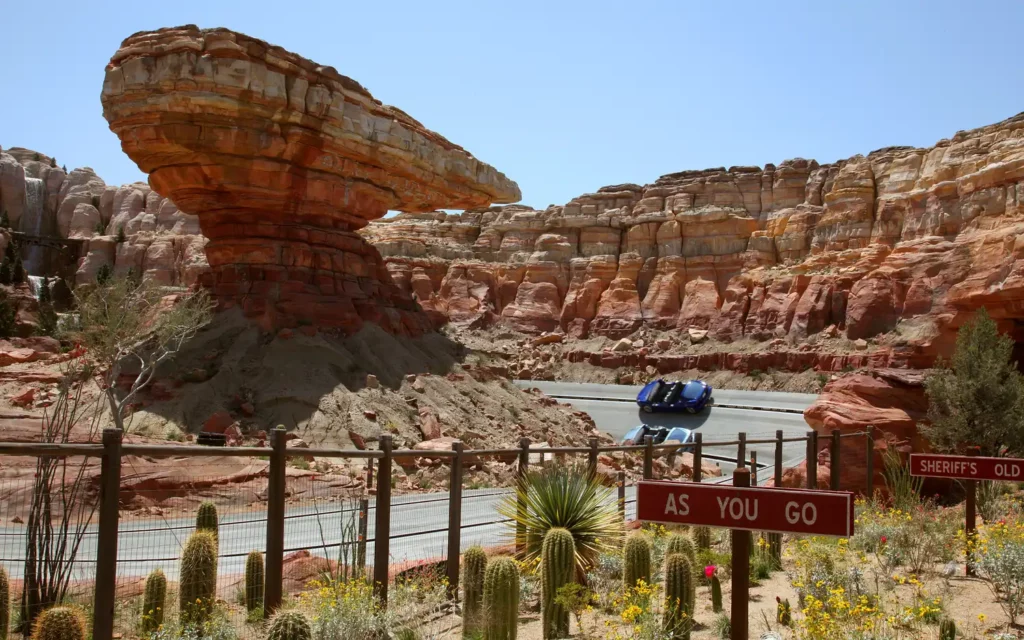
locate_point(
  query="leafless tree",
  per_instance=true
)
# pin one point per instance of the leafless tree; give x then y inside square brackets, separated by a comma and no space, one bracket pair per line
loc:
[128,325]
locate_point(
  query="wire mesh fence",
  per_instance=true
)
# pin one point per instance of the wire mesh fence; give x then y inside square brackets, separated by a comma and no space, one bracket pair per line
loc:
[326,521]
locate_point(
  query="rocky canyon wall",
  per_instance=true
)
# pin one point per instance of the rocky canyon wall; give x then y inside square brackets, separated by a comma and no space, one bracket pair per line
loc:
[903,240]
[160,241]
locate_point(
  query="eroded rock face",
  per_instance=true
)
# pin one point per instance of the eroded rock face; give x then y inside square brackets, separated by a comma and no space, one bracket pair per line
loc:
[282,160]
[906,240]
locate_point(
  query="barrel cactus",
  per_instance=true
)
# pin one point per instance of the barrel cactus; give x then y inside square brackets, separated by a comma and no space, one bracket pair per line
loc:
[947,629]
[289,625]
[683,545]
[501,599]
[474,563]
[716,594]
[60,623]
[558,561]
[206,519]
[679,589]
[153,601]
[636,560]
[254,581]
[5,603]
[197,588]
[702,537]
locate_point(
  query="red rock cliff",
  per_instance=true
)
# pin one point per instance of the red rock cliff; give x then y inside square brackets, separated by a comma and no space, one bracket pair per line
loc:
[906,240]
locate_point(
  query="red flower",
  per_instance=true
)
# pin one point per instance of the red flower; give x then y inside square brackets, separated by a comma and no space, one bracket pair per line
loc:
[709,571]
[884,540]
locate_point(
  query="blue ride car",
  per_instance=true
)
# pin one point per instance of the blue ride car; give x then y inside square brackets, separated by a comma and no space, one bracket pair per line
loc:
[658,395]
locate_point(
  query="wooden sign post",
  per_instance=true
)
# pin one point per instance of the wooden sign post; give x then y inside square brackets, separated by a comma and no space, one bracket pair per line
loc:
[970,468]
[745,508]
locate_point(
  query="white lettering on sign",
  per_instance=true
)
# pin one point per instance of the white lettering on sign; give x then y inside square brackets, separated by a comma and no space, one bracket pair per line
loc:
[679,506]
[808,514]
[946,467]
[1006,470]
[738,509]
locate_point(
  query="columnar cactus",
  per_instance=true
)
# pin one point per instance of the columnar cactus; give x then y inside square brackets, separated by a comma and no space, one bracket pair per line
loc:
[206,519]
[474,563]
[636,560]
[947,629]
[198,583]
[289,625]
[557,564]
[716,594]
[683,545]
[501,599]
[254,581]
[702,537]
[154,601]
[60,623]
[679,587]
[5,603]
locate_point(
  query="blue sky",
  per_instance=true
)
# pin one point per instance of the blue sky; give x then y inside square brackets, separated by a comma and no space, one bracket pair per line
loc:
[566,97]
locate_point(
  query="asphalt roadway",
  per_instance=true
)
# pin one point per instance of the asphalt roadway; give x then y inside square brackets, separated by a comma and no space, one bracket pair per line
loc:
[419,522]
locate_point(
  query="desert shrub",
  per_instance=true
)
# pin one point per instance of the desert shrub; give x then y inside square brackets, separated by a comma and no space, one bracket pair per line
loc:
[217,627]
[345,611]
[904,489]
[913,539]
[1000,557]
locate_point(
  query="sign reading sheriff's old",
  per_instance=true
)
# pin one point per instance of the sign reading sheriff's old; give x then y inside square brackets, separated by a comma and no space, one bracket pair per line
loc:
[966,467]
[826,513]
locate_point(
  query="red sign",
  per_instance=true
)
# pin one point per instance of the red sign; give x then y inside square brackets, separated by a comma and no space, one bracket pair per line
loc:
[824,513]
[966,467]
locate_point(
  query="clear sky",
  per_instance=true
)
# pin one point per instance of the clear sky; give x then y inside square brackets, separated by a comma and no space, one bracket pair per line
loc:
[566,97]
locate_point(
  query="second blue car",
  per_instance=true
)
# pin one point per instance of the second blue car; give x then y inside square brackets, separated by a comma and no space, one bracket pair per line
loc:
[690,396]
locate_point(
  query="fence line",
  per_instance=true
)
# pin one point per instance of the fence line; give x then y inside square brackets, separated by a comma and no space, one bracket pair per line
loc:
[112,450]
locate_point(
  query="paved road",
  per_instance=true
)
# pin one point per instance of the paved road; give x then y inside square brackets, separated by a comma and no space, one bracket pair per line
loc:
[778,400]
[147,544]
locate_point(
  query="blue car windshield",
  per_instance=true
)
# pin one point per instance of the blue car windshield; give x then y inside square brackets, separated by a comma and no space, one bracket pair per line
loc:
[692,390]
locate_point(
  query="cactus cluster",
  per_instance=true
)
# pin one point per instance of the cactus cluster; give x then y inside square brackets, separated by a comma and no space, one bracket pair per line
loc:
[474,564]
[254,581]
[198,583]
[501,599]
[947,629]
[558,561]
[702,537]
[5,603]
[636,560]
[679,590]
[289,625]
[60,623]
[154,601]
[206,519]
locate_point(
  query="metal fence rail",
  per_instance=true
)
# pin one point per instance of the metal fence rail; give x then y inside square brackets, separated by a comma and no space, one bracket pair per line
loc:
[125,546]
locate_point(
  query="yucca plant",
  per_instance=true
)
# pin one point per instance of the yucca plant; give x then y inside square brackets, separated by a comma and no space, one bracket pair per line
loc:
[565,497]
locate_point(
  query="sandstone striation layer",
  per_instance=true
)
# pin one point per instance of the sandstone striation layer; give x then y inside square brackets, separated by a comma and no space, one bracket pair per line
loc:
[903,241]
[283,160]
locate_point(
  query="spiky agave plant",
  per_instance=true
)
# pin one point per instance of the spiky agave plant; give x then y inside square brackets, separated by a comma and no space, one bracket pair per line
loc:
[566,497]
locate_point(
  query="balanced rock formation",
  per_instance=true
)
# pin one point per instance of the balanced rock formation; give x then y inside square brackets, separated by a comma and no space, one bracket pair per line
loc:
[904,241]
[283,160]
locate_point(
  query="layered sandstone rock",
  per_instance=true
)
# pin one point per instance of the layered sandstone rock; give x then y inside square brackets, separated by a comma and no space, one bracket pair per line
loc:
[283,160]
[902,241]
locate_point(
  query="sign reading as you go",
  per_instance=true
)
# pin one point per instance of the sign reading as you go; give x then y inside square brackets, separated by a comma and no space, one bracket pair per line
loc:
[966,467]
[826,513]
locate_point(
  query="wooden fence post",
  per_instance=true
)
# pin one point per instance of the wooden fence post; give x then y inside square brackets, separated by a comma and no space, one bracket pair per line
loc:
[382,524]
[870,462]
[753,468]
[972,516]
[698,454]
[272,589]
[741,450]
[455,521]
[106,546]
[592,456]
[740,568]
[835,463]
[521,472]
[812,459]
[775,539]
[622,494]
[648,457]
